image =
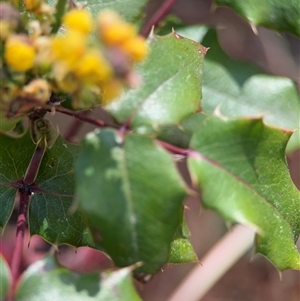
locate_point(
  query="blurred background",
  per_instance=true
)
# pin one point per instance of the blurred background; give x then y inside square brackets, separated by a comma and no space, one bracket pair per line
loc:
[253,278]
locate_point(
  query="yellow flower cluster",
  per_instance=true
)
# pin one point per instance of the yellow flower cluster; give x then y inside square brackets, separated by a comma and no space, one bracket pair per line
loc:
[116,32]
[75,62]
[77,59]
[19,53]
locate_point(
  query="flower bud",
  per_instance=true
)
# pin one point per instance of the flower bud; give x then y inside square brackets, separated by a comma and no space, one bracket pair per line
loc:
[19,53]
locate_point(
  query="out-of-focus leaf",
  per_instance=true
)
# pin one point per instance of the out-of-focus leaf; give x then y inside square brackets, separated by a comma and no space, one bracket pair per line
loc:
[47,280]
[132,195]
[131,10]
[182,250]
[241,89]
[171,84]
[275,14]
[5,278]
[241,171]
[7,124]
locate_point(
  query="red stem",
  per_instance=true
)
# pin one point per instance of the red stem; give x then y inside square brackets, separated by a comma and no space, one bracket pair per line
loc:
[74,127]
[83,117]
[24,197]
[157,17]
[174,149]
[34,165]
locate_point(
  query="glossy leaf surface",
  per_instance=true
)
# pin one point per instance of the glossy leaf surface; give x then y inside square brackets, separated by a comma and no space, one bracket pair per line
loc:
[131,193]
[241,89]
[171,84]
[241,171]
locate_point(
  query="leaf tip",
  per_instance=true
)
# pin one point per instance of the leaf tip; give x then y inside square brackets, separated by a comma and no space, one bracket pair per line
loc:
[151,34]
[254,28]
[203,50]
[176,35]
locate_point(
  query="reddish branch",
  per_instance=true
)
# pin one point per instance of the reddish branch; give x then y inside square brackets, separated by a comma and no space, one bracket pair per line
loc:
[157,16]
[81,115]
[124,129]
[24,197]
[74,128]
[24,192]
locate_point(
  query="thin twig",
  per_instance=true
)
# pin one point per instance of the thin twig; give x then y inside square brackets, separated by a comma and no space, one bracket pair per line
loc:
[24,193]
[83,117]
[215,264]
[157,17]
[34,165]
[74,127]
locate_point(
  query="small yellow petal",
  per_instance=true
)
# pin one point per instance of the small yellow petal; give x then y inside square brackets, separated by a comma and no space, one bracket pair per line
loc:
[136,48]
[113,29]
[19,54]
[111,90]
[80,20]
[69,48]
[93,68]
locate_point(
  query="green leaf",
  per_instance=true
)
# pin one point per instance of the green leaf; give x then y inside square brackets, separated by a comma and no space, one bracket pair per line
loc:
[180,135]
[5,278]
[171,84]
[132,195]
[15,155]
[241,89]
[241,171]
[50,212]
[7,124]
[182,250]
[131,10]
[47,280]
[275,14]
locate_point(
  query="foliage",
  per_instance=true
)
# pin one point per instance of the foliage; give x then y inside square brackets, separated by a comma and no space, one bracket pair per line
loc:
[120,191]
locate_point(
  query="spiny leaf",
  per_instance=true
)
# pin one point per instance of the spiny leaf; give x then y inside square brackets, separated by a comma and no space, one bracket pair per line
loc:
[182,250]
[47,280]
[171,84]
[274,14]
[132,196]
[241,89]
[49,211]
[241,171]
[49,214]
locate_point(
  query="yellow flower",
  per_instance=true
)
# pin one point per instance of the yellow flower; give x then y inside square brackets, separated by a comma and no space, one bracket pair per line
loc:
[79,20]
[136,48]
[69,48]
[110,90]
[32,5]
[93,68]
[112,29]
[19,54]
